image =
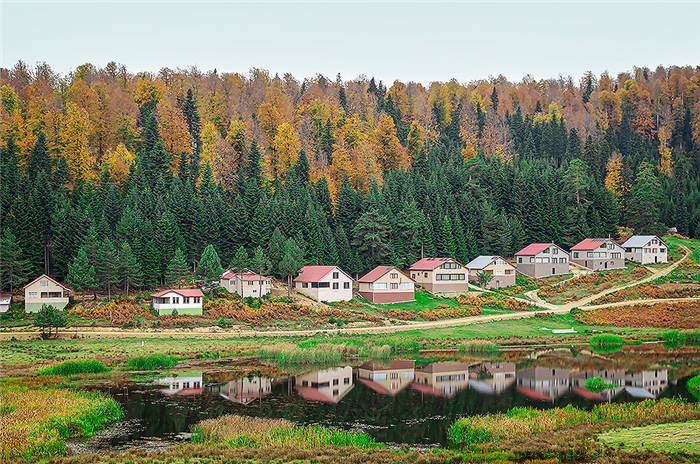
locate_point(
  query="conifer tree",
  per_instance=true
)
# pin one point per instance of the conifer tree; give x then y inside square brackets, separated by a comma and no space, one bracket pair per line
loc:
[177,269]
[81,275]
[209,264]
[292,261]
[240,260]
[106,272]
[39,159]
[275,250]
[371,239]
[13,268]
[129,270]
[643,210]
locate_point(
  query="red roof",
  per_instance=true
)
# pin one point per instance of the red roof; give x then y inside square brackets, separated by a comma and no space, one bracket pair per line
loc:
[181,292]
[52,280]
[227,275]
[315,273]
[375,386]
[588,395]
[380,271]
[534,248]
[533,394]
[428,264]
[427,389]
[313,394]
[589,243]
[251,276]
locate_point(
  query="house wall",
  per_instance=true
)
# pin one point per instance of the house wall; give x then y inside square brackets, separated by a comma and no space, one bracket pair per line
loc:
[329,294]
[193,309]
[600,263]
[256,290]
[428,279]
[539,270]
[389,295]
[649,253]
[333,383]
[498,281]
[394,380]
[449,382]
[34,304]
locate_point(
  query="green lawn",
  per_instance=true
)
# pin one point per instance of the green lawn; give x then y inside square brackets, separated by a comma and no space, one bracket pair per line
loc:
[682,437]
[424,300]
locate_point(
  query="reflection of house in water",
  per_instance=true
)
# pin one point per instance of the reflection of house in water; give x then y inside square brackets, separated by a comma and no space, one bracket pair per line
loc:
[329,386]
[614,377]
[186,384]
[492,378]
[646,384]
[387,379]
[442,379]
[543,383]
[246,389]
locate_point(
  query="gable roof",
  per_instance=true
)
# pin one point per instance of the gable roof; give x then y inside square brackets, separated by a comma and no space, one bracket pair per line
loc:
[251,276]
[5,298]
[590,243]
[316,273]
[52,280]
[637,241]
[181,292]
[380,271]
[481,262]
[393,364]
[429,264]
[534,248]
[438,367]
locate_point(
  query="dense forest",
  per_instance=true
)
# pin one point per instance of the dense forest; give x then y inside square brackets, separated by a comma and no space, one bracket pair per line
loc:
[116,172]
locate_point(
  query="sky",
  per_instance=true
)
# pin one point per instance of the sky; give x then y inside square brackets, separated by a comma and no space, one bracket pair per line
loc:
[407,41]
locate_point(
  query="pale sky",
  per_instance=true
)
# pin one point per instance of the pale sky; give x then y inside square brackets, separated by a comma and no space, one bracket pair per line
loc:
[421,42]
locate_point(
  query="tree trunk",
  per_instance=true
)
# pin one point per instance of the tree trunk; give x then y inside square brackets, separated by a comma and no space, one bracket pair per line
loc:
[289,285]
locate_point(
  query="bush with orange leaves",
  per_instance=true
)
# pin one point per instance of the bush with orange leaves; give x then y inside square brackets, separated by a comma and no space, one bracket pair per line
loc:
[680,315]
[432,314]
[118,312]
[647,292]
[595,281]
[494,301]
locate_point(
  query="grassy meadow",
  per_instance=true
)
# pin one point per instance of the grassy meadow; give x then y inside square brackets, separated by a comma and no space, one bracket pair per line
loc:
[682,437]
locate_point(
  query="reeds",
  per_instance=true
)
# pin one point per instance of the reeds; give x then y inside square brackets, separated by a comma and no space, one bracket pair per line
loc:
[288,353]
[606,340]
[479,346]
[152,361]
[37,422]
[520,422]
[76,366]
[255,432]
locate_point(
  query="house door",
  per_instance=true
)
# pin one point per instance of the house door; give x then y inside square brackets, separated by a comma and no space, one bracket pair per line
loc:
[498,284]
[554,271]
[656,259]
[606,264]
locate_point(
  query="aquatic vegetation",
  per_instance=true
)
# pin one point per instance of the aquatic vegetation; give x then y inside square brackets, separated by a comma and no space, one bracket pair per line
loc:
[598,385]
[36,422]
[77,366]
[603,340]
[255,432]
[152,362]
[521,422]
[479,346]
[288,353]
[693,386]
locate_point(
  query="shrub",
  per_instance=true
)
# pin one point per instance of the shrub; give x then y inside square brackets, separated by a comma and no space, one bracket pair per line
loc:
[479,346]
[77,366]
[694,386]
[598,385]
[605,340]
[152,361]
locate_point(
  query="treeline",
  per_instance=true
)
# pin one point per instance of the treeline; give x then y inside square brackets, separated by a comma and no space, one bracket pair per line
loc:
[275,174]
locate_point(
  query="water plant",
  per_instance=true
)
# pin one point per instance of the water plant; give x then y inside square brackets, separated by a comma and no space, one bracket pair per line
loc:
[598,385]
[37,422]
[152,361]
[76,366]
[479,346]
[256,432]
[603,340]
[693,386]
[520,422]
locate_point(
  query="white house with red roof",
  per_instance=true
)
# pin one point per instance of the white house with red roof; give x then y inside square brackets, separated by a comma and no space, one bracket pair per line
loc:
[246,284]
[324,283]
[387,284]
[326,386]
[598,254]
[542,260]
[438,275]
[45,291]
[184,301]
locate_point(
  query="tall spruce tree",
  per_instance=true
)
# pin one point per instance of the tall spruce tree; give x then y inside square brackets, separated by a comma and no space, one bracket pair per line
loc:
[81,275]
[177,269]
[209,265]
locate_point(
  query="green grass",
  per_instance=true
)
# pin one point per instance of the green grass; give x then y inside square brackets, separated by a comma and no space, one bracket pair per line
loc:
[479,346]
[603,340]
[682,437]
[152,362]
[78,366]
[693,386]
[424,300]
[598,385]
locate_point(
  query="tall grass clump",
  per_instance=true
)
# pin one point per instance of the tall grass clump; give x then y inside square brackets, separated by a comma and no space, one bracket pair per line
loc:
[479,347]
[605,340]
[77,366]
[288,353]
[152,361]
[256,432]
[598,385]
[694,386]
[675,338]
[36,422]
[521,422]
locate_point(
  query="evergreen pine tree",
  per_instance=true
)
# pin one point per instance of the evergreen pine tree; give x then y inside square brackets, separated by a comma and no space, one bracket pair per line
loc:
[371,239]
[106,272]
[643,210]
[275,250]
[129,270]
[292,261]
[240,260]
[13,268]
[177,269]
[209,265]
[81,275]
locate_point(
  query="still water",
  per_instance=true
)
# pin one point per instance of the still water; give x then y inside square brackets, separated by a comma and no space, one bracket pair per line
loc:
[410,401]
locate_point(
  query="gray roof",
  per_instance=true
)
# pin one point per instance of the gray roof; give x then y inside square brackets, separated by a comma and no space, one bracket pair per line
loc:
[481,262]
[637,241]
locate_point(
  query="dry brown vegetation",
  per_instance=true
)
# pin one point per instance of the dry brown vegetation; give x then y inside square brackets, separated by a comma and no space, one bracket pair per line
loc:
[583,286]
[679,315]
[651,292]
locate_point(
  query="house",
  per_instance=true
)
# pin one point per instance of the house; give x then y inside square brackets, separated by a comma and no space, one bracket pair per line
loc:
[187,301]
[324,283]
[646,249]
[246,389]
[598,254]
[503,272]
[387,284]
[327,386]
[186,384]
[439,275]
[45,291]
[543,383]
[492,378]
[246,284]
[5,302]
[444,379]
[651,382]
[387,379]
[542,260]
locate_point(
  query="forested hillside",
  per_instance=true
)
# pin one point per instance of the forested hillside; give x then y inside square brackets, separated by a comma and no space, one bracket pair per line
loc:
[130,167]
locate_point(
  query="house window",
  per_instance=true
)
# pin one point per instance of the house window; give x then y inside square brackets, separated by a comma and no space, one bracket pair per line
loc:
[589,254]
[662,250]
[555,251]
[450,266]
[304,285]
[654,242]
[394,375]
[346,285]
[394,286]
[615,255]
[314,284]
[603,245]
[425,274]
[324,285]
[176,300]
[653,250]
[250,282]
[346,381]
[197,299]
[32,295]
[532,259]
[377,286]
[394,276]
[546,251]
[562,260]
[520,260]
[186,299]
[336,393]
[413,276]
[449,277]
[335,275]
[336,381]
[575,254]
[44,283]
[335,285]
[51,294]
[406,285]
[499,272]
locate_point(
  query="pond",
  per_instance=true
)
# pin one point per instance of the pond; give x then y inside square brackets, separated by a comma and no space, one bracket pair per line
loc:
[411,401]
